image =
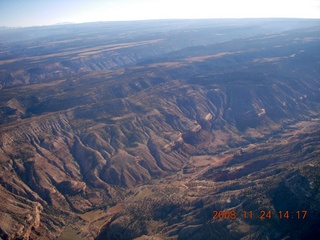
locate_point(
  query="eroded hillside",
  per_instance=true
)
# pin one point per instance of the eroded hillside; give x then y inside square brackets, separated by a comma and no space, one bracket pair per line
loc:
[147,136]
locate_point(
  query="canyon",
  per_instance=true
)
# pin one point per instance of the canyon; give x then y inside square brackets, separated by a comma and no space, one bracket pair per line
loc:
[141,130]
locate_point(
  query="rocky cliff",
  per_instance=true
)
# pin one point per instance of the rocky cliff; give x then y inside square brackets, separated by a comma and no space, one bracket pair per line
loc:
[125,140]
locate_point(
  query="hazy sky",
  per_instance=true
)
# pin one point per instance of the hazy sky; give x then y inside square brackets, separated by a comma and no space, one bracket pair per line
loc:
[47,12]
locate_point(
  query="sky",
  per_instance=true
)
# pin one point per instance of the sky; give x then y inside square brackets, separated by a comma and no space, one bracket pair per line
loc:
[22,13]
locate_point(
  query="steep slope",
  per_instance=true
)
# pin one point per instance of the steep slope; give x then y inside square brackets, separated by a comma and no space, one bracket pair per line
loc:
[155,147]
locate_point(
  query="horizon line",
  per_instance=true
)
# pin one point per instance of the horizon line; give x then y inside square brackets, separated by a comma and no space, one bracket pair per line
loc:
[158,19]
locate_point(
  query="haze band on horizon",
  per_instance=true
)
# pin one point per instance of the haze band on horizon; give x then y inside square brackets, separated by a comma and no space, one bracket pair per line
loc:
[18,13]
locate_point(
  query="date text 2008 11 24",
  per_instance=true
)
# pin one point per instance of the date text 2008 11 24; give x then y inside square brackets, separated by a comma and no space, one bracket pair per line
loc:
[262,214]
